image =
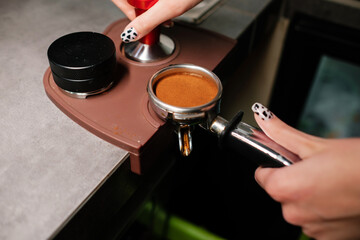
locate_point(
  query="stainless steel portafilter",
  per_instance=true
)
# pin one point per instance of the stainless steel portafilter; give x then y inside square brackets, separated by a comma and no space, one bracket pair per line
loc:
[234,135]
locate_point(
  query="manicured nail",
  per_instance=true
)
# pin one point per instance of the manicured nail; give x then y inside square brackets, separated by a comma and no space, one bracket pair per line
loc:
[129,35]
[262,111]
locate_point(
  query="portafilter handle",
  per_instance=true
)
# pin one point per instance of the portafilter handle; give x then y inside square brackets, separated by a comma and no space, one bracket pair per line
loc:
[251,142]
[142,6]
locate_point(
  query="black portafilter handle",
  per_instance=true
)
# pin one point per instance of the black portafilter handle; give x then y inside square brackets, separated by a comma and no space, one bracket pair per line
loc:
[251,142]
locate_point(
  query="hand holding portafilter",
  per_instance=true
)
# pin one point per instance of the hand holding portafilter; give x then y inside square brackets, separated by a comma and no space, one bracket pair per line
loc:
[235,134]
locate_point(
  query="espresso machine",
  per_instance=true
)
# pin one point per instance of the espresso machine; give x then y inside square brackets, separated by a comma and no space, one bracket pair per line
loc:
[103,85]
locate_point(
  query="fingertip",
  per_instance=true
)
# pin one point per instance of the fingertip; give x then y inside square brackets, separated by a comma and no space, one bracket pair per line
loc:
[262,175]
[130,34]
[279,183]
[262,112]
[293,140]
[140,26]
[257,176]
[263,117]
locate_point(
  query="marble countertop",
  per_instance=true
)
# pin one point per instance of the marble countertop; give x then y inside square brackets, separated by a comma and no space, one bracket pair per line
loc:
[49,165]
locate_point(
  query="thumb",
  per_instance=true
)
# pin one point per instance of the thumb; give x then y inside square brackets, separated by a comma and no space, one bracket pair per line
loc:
[290,138]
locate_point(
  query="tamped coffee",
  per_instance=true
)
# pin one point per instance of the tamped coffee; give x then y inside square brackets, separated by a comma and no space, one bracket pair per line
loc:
[186,89]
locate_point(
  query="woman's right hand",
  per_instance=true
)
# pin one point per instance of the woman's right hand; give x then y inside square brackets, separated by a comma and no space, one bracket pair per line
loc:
[320,193]
[161,12]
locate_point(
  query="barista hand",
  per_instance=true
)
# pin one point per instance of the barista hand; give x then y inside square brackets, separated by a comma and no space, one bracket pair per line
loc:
[321,193]
[161,12]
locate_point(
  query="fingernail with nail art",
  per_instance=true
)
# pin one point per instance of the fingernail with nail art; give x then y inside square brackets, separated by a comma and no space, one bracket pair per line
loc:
[262,111]
[129,35]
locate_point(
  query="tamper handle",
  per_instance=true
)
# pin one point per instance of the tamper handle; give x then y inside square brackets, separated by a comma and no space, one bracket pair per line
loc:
[251,142]
[142,6]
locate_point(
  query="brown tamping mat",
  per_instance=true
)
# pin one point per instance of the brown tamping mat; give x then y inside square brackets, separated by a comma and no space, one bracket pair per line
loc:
[122,115]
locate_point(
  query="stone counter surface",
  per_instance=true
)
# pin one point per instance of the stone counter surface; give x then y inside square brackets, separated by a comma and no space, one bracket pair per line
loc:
[49,165]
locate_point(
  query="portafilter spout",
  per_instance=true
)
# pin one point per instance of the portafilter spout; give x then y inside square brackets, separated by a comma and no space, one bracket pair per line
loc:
[152,47]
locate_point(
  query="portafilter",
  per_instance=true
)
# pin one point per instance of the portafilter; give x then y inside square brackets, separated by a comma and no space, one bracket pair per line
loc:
[236,135]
